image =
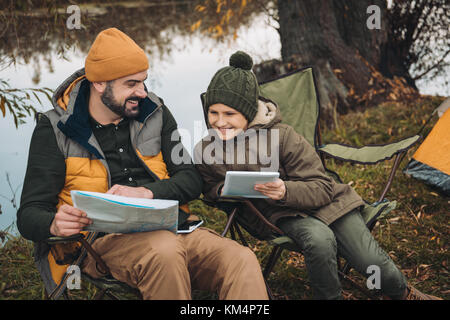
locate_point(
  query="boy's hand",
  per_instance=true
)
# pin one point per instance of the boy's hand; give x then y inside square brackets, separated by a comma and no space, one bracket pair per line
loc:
[274,190]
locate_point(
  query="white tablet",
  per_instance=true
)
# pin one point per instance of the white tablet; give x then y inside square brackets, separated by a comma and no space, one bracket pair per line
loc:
[241,183]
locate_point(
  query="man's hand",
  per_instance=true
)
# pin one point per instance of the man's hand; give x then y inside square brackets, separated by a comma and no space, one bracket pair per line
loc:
[132,192]
[274,190]
[68,221]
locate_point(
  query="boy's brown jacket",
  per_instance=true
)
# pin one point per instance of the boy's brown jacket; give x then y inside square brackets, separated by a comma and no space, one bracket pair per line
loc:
[309,190]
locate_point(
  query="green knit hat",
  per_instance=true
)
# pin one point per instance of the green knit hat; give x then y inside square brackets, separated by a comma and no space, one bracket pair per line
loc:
[235,86]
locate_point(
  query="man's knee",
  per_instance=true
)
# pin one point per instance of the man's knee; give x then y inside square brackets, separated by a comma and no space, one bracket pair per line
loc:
[246,256]
[239,260]
[162,250]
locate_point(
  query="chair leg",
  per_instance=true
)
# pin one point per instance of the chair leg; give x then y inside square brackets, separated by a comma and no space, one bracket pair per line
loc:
[111,295]
[357,286]
[398,159]
[229,222]
[233,235]
[269,291]
[99,295]
[273,258]
[241,236]
[65,295]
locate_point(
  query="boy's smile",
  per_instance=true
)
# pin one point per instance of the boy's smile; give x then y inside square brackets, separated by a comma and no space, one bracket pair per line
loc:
[227,122]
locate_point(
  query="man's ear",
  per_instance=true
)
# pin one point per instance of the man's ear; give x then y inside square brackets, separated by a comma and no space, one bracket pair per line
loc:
[99,86]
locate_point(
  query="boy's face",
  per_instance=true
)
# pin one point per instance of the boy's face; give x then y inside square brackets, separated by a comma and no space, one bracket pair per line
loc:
[227,122]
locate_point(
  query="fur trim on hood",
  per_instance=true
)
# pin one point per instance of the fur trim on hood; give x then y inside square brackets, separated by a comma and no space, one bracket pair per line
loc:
[268,114]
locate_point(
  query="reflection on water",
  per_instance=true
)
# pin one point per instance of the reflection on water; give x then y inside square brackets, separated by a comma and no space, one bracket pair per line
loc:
[157,26]
[181,66]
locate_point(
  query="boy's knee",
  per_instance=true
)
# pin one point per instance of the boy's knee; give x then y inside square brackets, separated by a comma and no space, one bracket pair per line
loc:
[321,247]
[320,241]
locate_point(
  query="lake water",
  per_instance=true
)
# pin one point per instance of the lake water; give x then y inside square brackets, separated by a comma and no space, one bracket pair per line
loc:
[178,77]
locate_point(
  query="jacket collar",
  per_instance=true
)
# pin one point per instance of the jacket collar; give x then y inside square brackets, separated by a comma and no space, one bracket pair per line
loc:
[74,121]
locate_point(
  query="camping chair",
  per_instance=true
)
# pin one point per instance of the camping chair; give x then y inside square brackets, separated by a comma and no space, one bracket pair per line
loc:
[106,285]
[296,95]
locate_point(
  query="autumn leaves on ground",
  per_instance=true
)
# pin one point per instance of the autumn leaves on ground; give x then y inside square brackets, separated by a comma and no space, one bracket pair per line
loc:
[415,234]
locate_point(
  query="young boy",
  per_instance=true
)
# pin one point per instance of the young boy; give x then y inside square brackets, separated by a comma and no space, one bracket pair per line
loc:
[320,215]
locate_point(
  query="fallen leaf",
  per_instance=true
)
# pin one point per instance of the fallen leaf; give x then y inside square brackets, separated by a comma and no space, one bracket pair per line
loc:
[424,277]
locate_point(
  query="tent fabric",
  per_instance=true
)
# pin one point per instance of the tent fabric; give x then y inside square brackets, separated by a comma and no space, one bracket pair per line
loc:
[430,176]
[368,154]
[431,162]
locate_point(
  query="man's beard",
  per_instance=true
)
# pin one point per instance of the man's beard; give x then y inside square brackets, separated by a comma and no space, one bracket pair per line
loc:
[121,110]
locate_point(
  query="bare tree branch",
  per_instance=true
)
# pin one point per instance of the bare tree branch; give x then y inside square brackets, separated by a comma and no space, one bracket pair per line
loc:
[435,66]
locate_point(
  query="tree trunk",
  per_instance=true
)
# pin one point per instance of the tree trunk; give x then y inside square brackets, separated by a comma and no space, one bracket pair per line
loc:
[350,60]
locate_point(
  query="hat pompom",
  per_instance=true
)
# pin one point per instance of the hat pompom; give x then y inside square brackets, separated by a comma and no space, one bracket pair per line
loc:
[241,60]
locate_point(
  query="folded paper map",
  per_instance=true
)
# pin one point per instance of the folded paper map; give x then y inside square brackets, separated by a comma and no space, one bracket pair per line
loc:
[117,214]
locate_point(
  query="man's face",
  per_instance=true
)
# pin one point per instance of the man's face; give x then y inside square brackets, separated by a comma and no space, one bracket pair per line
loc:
[122,96]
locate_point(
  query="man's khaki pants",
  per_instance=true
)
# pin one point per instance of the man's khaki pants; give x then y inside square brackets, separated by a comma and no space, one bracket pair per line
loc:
[163,265]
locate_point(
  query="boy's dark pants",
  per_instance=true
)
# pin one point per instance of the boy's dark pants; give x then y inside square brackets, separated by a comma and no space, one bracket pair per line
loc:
[351,239]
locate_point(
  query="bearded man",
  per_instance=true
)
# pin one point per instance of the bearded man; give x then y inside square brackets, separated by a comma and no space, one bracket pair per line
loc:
[107,133]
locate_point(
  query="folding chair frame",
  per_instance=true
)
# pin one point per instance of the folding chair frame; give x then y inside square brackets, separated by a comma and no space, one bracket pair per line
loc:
[105,284]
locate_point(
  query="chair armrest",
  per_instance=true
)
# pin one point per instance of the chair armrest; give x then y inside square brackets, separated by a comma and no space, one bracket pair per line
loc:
[224,199]
[370,154]
[79,237]
[72,238]
[235,201]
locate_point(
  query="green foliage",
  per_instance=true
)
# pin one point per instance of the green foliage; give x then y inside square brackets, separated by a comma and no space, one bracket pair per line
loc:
[19,102]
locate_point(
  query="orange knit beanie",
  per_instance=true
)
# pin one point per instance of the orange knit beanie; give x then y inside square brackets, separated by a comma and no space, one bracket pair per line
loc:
[114,55]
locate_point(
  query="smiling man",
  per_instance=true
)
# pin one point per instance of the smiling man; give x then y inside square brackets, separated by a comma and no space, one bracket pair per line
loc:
[129,85]
[107,133]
